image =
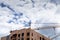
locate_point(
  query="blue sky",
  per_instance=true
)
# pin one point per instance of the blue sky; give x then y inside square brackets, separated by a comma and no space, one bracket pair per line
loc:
[17,14]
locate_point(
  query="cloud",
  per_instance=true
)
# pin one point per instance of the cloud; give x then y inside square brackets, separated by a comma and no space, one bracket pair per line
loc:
[36,12]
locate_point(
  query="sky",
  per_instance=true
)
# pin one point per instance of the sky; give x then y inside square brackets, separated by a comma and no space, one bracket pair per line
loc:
[19,14]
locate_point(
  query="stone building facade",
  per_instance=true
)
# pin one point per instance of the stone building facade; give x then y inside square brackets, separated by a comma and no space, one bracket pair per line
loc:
[25,34]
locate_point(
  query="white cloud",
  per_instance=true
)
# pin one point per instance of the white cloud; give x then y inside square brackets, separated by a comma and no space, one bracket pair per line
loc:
[44,14]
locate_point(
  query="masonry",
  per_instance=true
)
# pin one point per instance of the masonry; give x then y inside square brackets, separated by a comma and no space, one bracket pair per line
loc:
[25,34]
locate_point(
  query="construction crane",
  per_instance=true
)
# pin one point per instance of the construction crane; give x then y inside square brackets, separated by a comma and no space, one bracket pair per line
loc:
[57,35]
[49,27]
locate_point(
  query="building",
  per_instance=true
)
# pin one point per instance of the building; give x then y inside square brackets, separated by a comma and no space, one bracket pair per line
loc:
[25,34]
[5,37]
